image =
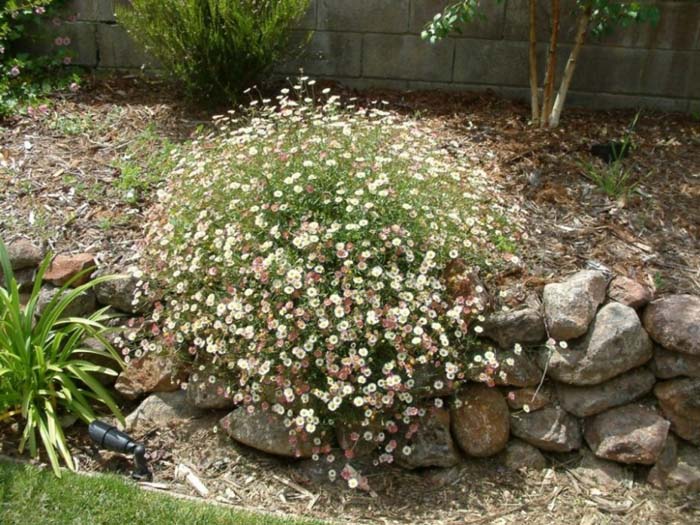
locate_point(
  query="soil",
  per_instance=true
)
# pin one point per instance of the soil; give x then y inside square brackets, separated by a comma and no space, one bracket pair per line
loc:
[62,173]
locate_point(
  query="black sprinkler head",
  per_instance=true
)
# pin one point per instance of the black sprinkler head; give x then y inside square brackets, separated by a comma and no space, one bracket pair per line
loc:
[109,437]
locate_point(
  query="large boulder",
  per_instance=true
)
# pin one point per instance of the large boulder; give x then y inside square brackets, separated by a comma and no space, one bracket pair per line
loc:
[529,399]
[570,306]
[551,429]
[524,326]
[680,402]
[431,445]
[668,364]
[481,421]
[23,254]
[120,294]
[584,401]
[160,410]
[615,343]
[627,434]
[265,431]
[628,292]
[152,372]
[512,369]
[674,323]
[84,304]
[519,454]
[207,388]
[64,267]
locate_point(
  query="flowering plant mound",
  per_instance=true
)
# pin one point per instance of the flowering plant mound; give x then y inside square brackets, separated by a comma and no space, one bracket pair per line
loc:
[302,249]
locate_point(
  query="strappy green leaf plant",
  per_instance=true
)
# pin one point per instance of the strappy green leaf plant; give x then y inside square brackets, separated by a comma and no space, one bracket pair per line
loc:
[46,369]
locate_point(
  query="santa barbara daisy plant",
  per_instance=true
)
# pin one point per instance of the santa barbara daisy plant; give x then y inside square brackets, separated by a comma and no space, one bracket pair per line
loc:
[303,248]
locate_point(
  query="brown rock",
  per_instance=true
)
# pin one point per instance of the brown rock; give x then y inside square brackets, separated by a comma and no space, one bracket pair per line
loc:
[584,401]
[627,434]
[680,401]
[519,454]
[152,373]
[160,411]
[265,431]
[207,388]
[524,326]
[686,472]
[668,364]
[360,447]
[628,292]
[674,323]
[529,397]
[615,343]
[430,381]
[120,294]
[570,306]
[481,422]
[64,267]
[431,445]
[550,429]
[461,280]
[668,459]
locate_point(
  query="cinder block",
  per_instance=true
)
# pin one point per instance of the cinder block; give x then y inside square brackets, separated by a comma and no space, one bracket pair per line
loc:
[364,16]
[91,10]
[694,108]
[694,78]
[406,57]
[327,54]
[678,28]
[603,101]
[82,41]
[492,62]
[517,21]
[632,71]
[118,50]
[490,26]
[308,21]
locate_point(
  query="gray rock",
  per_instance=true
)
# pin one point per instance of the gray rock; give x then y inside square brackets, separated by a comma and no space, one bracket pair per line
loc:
[615,343]
[431,445]
[152,373]
[522,372]
[685,473]
[584,401]
[360,447]
[24,254]
[265,431]
[207,389]
[627,434]
[430,382]
[668,364]
[524,326]
[667,461]
[519,454]
[674,323]
[550,429]
[160,411]
[84,304]
[680,401]
[628,292]
[119,294]
[570,306]
[602,474]
[481,423]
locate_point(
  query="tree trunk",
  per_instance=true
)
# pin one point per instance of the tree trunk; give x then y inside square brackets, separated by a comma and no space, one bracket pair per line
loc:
[534,102]
[581,29]
[547,101]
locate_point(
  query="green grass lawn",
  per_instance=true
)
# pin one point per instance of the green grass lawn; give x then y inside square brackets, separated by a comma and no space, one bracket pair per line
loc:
[32,496]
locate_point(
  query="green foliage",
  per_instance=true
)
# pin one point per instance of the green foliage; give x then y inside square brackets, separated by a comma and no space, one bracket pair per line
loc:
[215,48]
[616,180]
[45,371]
[451,19]
[26,78]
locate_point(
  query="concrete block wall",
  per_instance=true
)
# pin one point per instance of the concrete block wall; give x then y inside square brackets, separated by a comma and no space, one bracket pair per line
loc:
[376,43]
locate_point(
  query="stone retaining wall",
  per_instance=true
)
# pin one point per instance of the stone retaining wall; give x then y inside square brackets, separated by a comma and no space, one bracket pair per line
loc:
[376,43]
[621,382]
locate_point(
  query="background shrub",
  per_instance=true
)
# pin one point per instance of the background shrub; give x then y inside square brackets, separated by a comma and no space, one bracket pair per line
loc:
[215,48]
[303,250]
[26,77]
